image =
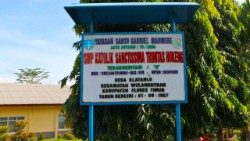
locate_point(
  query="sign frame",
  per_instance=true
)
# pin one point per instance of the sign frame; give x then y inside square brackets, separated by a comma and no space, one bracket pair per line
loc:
[92,14]
[133,102]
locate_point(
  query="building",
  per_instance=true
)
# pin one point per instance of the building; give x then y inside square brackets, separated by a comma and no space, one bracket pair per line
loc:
[38,105]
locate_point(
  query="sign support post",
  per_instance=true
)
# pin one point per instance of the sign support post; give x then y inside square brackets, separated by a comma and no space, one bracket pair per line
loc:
[91,122]
[177,106]
[178,121]
[91,106]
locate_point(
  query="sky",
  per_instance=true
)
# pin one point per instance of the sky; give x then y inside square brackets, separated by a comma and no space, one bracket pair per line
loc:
[36,34]
[240,1]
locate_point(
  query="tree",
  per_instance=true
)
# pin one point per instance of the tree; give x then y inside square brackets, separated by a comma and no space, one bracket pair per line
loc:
[31,76]
[217,72]
[245,18]
[218,80]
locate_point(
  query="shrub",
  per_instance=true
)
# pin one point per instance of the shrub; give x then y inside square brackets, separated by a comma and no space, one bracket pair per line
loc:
[59,136]
[4,130]
[41,136]
[69,136]
[24,137]
[33,138]
[19,127]
[28,137]
[15,137]
[4,137]
[4,133]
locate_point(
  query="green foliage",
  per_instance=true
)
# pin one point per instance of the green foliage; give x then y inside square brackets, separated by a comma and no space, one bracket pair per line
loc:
[218,82]
[19,127]
[31,76]
[41,136]
[20,135]
[4,137]
[28,137]
[59,136]
[217,72]
[245,17]
[69,136]
[4,130]
[24,137]
[4,133]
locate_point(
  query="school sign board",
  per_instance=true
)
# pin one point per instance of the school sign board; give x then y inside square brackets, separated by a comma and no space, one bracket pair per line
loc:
[133,68]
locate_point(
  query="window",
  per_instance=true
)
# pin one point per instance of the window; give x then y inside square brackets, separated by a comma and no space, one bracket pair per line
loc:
[61,122]
[10,122]
[3,121]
